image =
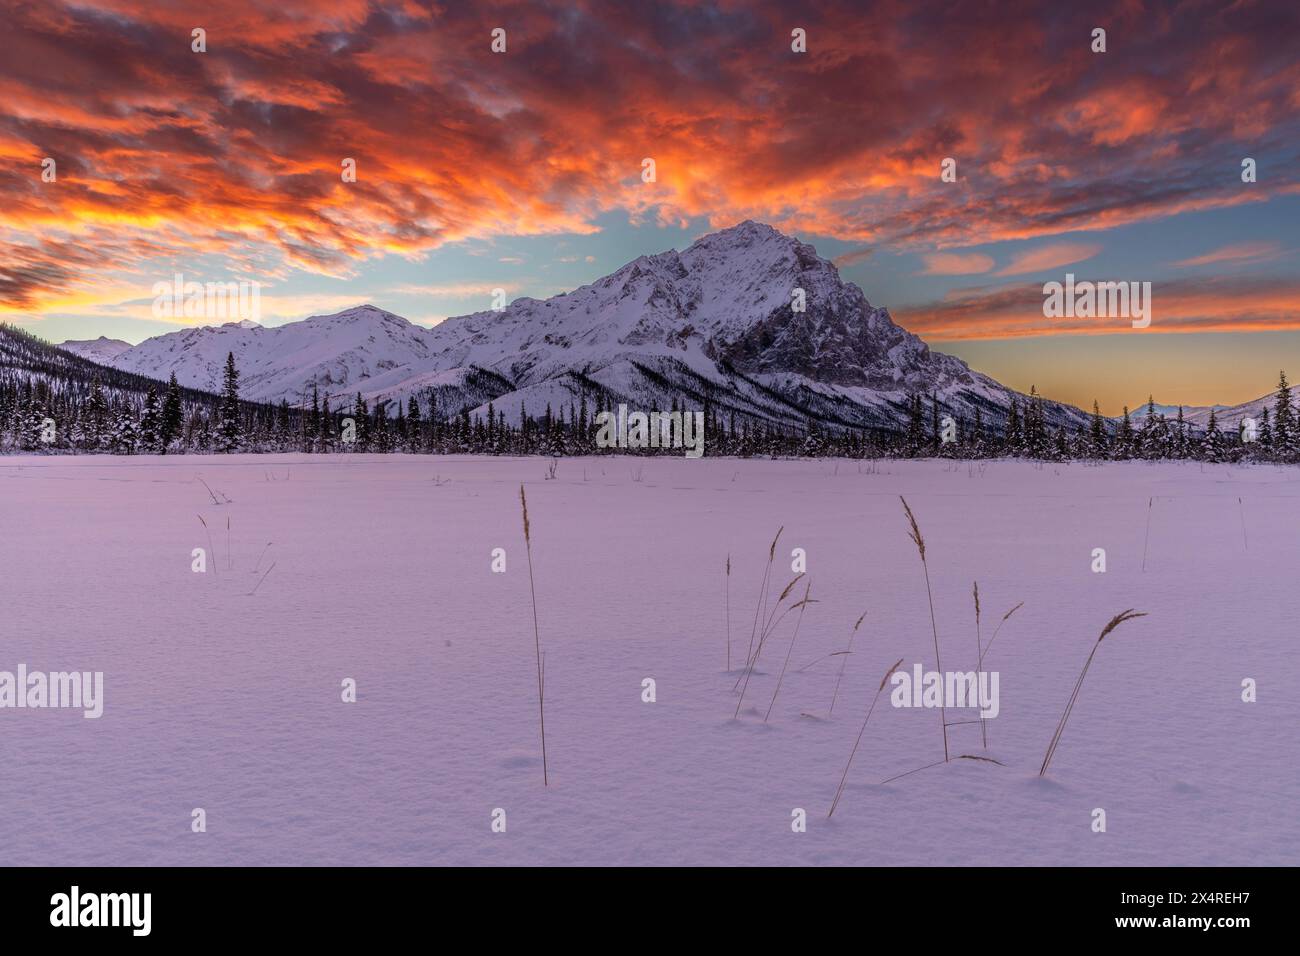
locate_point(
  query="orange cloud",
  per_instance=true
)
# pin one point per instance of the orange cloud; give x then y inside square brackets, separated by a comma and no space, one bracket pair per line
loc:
[1182,305]
[1047,258]
[1238,252]
[236,152]
[957,263]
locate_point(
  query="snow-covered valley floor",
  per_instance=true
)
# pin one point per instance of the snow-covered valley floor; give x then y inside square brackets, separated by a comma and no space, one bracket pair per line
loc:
[219,700]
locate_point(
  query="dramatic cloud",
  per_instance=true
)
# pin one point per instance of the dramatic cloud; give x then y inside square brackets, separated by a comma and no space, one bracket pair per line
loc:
[168,156]
[1182,305]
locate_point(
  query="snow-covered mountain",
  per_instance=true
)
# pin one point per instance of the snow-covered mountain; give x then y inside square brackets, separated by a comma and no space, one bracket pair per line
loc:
[716,323]
[102,350]
[1228,417]
[1198,416]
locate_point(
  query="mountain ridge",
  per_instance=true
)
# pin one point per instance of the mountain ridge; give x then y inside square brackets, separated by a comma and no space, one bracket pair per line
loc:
[719,322]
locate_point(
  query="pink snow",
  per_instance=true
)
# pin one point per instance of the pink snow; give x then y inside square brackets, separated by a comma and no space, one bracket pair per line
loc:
[382,573]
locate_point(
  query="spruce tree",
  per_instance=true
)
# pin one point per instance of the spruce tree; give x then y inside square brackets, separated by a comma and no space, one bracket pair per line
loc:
[1124,441]
[1013,436]
[169,427]
[934,424]
[325,427]
[1212,448]
[435,424]
[124,433]
[915,428]
[1033,445]
[1154,438]
[311,426]
[96,418]
[558,444]
[414,426]
[380,437]
[1284,437]
[150,422]
[1038,443]
[360,424]
[283,428]
[584,427]
[229,432]
[1097,433]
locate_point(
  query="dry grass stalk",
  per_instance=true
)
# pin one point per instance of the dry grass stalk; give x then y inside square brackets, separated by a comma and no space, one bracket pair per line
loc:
[727,601]
[215,501]
[845,776]
[1147,538]
[984,652]
[768,629]
[537,640]
[261,579]
[847,652]
[997,630]
[761,605]
[261,556]
[979,656]
[802,606]
[211,552]
[908,773]
[982,759]
[1115,622]
[919,541]
[818,660]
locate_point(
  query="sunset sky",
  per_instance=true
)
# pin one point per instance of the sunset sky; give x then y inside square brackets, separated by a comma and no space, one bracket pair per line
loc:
[522,170]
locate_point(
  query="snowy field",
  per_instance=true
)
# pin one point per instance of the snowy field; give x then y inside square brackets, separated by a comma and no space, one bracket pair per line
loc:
[217,699]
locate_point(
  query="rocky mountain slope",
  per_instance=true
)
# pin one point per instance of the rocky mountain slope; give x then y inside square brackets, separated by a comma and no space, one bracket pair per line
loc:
[719,323]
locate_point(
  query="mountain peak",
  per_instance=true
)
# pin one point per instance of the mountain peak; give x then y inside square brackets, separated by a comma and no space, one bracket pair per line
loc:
[102,349]
[748,316]
[751,227]
[365,313]
[743,234]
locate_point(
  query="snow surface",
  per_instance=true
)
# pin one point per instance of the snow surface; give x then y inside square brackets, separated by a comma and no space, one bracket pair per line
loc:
[219,700]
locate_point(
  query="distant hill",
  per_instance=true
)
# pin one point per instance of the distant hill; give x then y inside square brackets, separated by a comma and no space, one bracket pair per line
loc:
[102,350]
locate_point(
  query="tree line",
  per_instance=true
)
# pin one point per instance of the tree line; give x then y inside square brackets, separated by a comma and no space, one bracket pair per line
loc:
[46,413]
